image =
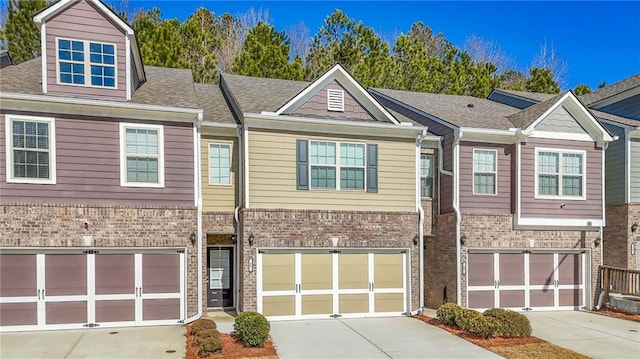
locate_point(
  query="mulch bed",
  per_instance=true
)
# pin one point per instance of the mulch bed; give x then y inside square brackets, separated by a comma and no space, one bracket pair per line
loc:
[231,349]
[618,314]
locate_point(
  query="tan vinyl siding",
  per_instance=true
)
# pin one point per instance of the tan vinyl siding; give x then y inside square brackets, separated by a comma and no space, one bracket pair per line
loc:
[590,208]
[82,21]
[88,167]
[485,204]
[218,197]
[272,173]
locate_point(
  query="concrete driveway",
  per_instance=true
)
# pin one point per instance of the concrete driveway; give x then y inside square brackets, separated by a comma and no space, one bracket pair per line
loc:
[142,342]
[594,335]
[397,337]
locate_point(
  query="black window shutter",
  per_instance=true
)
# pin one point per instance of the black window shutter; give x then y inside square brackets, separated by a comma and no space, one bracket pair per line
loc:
[372,168]
[302,164]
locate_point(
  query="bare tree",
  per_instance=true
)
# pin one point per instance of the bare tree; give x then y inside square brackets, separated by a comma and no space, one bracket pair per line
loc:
[548,58]
[300,38]
[232,32]
[482,50]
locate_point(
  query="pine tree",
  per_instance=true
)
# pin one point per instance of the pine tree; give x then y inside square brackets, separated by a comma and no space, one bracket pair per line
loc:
[541,80]
[582,89]
[160,41]
[200,42]
[20,35]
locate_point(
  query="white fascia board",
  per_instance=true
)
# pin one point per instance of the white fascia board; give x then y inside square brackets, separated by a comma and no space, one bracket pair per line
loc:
[96,108]
[337,72]
[288,123]
[562,136]
[558,223]
[489,135]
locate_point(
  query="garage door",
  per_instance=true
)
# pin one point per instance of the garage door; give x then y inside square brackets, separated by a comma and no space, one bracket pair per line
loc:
[76,289]
[321,284]
[526,280]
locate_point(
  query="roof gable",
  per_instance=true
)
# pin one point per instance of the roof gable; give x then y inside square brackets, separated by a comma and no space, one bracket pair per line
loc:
[338,75]
[533,117]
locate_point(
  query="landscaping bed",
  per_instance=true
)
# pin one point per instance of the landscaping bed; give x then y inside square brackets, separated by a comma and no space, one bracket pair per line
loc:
[618,314]
[231,349]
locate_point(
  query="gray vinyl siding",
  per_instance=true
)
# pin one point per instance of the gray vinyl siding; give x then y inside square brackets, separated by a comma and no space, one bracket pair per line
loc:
[590,208]
[634,154]
[82,21]
[560,120]
[500,203]
[88,167]
[510,101]
[629,107]
[316,106]
[615,167]
[135,78]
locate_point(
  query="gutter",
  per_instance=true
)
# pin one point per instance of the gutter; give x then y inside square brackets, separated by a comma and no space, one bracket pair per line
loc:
[236,212]
[456,209]
[199,220]
[419,140]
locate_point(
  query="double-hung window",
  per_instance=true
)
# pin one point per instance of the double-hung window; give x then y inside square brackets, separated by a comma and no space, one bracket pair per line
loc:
[86,63]
[219,163]
[141,155]
[560,174]
[485,171]
[426,175]
[337,165]
[30,145]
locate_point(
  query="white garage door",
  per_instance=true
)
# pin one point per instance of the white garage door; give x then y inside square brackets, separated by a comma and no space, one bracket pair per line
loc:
[526,280]
[92,288]
[321,284]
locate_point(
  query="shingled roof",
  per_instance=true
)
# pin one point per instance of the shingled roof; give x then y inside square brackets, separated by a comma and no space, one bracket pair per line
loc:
[214,104]
[612,90]
[526,117]
[24,78]
[533,96]
[257,94]
[460,111]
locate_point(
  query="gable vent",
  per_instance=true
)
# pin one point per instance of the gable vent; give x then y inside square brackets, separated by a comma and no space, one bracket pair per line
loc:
[335,100]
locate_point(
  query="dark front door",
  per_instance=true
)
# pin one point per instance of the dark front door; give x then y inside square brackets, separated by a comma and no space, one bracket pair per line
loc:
[220,288]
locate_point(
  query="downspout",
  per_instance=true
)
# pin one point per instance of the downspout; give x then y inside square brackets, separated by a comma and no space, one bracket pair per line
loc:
[456,208]
[198,183]
[236,211]
[419,140]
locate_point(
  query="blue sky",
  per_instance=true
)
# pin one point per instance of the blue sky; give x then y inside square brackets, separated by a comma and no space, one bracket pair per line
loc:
[600,41]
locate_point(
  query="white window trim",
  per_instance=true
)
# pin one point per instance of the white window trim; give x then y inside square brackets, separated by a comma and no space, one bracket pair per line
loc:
[473,174]
[223,143]
[87,64]
[560,174]
[335,92]
[9,149]
[123,155]
[432,174]
[338,166]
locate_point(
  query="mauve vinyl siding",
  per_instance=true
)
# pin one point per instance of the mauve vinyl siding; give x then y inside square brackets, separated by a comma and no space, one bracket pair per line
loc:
[615,167]
[485,204]
[83,22]
[88,167]
[591,208]
[316,106]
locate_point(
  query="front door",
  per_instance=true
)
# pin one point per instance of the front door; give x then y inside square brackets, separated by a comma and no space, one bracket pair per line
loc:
[220,264]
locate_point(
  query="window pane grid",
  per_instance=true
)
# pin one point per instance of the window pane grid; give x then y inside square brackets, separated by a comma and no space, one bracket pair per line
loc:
[560,174]
[142,155]
[219,164]
[330,169]
[100,59]
[484,171]
[30,142]
[426,175]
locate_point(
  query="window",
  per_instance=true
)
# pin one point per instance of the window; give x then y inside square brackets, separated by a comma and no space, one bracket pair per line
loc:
[484,171]
[80,60]
[337,169]
[30,145]
[335,100]
[141,153]
[426,175]
[219,163]
[560,173]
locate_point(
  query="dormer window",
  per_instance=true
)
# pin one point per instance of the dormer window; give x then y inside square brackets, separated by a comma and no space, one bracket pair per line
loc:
[86,63]
[335,100]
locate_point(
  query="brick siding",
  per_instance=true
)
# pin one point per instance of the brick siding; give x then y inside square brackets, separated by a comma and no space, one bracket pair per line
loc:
[618,236]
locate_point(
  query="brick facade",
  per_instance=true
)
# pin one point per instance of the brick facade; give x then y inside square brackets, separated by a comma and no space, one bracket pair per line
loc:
[213,223]
[276,228]
[618,236]
[62,226]
[440,263]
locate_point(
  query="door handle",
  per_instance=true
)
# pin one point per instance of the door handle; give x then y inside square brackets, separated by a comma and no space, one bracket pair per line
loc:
[43,294]
[39,293]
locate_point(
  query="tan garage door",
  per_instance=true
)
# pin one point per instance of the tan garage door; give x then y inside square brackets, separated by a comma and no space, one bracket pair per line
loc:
[321,284]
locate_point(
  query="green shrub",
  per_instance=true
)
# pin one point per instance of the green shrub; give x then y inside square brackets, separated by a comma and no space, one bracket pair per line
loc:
[487,328]
[446,313]
[202,324]
[209,341]
[252,329]
[475,323]
[512,324]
